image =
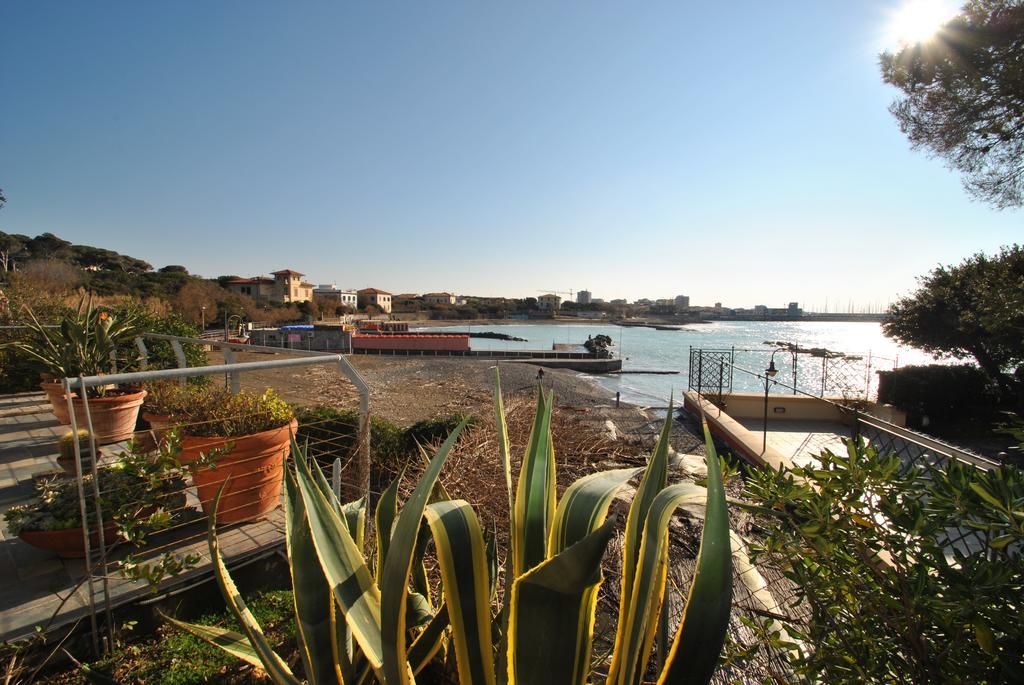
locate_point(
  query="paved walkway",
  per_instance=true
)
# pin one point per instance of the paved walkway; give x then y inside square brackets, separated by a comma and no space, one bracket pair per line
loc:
[801,440]
[37,588]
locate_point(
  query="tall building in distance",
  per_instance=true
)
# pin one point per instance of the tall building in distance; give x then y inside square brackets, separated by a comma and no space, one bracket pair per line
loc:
[583,297]
[683,301]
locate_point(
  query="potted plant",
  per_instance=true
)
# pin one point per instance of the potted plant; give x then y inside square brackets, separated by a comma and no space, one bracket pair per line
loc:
[243,439]
[90,341]
[164,399]
[137,493]
[66,452]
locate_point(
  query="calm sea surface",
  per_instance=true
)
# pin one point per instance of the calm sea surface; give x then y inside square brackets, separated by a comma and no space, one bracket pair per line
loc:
[650,349]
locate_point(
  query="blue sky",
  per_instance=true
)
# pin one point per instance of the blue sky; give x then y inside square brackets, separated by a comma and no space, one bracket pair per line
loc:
[739,152]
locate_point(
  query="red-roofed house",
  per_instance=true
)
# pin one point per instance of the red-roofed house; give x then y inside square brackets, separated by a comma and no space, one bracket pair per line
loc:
[378,298]
[285,287]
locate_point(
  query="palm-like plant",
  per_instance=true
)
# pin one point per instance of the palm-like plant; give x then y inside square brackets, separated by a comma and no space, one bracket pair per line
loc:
[359,625]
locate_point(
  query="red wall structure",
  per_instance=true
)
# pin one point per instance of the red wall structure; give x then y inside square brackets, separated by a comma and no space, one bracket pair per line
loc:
[392,341]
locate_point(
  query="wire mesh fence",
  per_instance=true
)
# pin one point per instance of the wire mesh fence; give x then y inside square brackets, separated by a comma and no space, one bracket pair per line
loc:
[813,371]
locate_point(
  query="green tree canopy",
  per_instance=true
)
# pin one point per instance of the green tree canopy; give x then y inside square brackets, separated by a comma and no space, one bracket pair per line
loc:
[964,97]
[973,309]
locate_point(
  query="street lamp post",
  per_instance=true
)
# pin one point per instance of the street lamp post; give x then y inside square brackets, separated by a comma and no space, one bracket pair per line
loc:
[202,315]
[769,374]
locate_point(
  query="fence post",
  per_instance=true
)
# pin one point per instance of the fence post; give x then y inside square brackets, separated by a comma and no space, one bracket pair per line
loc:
[83,512]
[824,372]
[143,353]
[179,354]
[101,535]
[234,382]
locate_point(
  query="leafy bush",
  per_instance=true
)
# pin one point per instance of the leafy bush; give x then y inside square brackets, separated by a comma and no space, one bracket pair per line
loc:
[219,413]
[892,596]
[160,354]
[938,391]
[331,433]
[167,398]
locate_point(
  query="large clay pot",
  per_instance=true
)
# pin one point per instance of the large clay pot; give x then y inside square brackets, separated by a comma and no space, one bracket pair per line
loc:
[113,416]
[254,464]
[68,543]
[58,401]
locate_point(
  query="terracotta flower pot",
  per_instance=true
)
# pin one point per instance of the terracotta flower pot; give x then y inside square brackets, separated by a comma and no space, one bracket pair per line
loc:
[68,543]
[58,403]
[159,424]
[255,465]
[113,416]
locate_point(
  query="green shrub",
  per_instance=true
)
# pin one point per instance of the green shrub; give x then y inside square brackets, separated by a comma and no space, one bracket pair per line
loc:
[159,352]
[890,594]
[332,433]
[940,392]
[219,413]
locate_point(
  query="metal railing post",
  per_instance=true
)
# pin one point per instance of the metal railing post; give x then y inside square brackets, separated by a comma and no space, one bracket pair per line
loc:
[179,355]
[94,470]
[234,383]
[83,512]
[143,352]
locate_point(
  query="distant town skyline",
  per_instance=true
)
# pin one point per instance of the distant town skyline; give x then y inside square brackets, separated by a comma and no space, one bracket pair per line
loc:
[740,153]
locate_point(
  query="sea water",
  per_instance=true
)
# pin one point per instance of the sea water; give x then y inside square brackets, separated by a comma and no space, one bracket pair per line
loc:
[669,350]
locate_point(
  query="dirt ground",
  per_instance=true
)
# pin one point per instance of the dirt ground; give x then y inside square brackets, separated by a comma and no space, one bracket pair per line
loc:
[409,389]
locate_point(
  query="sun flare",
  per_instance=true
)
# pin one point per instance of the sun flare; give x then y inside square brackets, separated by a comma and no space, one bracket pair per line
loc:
[916,21]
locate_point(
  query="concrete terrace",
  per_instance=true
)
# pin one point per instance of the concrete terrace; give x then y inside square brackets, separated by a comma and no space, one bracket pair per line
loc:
[800,440]
[37,588]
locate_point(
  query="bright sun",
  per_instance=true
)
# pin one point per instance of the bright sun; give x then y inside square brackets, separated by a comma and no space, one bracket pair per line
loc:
[915,21]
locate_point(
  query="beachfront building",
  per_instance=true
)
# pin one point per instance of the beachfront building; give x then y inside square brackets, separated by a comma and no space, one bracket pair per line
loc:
[583,297]
[286,287]
[333,294]
[549,302]
[260,288]
[378,298]
[439,298]
[683,301]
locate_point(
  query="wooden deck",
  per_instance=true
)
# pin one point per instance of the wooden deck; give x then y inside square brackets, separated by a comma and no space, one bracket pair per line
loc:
[37,588]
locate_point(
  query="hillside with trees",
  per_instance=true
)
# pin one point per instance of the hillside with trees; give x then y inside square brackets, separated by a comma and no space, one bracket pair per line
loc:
[47,272]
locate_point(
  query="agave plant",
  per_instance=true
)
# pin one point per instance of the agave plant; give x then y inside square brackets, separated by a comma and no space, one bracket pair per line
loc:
[362,623]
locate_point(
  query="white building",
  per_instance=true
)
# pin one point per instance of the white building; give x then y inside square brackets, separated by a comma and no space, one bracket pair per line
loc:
[439,298]
[345,298]
[549,302]
[583,297]
[683,301]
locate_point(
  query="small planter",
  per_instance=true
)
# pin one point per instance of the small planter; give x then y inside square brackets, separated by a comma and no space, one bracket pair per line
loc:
[159,424]
[58,400]
[254,464]
[68,463]
[69,543]
[113,416]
